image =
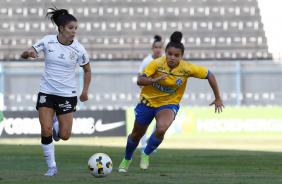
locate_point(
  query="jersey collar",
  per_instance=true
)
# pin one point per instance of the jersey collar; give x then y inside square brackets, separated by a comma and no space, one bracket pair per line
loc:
[62,43]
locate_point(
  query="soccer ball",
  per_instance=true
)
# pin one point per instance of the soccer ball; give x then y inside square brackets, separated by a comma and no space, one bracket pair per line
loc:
[100,165]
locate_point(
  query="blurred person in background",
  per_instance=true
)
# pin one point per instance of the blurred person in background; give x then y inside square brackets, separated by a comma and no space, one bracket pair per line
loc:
[157,49]
[58,88]
[164,81]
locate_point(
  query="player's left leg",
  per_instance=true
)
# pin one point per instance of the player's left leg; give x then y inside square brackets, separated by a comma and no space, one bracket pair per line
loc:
[154,129]
[65,125]
[164,119]
[65,107]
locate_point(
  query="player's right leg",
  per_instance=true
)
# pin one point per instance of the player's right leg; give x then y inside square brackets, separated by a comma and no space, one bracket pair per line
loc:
[46,108]
[45,117]
[144,116]
[132,143]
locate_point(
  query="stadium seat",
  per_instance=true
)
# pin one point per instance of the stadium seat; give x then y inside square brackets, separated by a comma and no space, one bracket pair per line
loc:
[212,25]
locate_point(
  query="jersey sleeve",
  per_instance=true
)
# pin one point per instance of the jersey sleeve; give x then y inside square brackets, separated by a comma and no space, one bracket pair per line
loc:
[198,71]
[39,46]
[150,69]
[83,58]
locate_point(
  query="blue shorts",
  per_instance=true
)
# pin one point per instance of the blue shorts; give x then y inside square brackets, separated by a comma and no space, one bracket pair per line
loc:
[145,115]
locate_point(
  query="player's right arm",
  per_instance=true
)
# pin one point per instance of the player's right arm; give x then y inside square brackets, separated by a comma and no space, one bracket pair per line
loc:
[137,78]
[145,77]
[145,81]
[36,48]
[29,53]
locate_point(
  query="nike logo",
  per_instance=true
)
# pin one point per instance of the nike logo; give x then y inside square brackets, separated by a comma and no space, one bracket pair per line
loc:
[51,50]
[104,127]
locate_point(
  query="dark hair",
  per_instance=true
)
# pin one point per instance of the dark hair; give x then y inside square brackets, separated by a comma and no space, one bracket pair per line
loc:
[158,39]
[60,17]
[175,41]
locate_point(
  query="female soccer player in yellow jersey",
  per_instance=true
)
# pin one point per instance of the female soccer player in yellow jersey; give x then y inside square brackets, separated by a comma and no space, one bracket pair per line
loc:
[164,81]
[157,49]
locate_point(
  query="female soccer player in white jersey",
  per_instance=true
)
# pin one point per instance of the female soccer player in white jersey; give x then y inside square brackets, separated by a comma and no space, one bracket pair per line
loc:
[58,89]
[164,81]
[157,49]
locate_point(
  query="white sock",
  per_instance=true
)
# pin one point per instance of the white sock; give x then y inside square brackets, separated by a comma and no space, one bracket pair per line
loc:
[143,140]
[49,153]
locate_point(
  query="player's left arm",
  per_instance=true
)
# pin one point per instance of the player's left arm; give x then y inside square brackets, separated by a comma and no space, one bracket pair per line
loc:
[217,102]
[87,78]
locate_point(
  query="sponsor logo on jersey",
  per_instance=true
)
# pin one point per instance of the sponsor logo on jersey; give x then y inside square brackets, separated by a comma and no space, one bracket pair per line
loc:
[178,82]
[183,71]
[42,99]
[72,55]
[52,42]
[164,88]
[61,56]
[84,59]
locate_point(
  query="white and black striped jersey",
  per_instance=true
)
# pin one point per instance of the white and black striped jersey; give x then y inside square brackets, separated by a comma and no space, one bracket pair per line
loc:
[60,63]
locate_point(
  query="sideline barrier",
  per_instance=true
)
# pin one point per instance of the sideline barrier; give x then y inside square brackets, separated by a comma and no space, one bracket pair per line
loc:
[233,121]
[189,122]
[85,124]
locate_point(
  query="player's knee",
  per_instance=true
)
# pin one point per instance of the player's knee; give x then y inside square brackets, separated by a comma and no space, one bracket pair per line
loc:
[46,131]
[160,131]
[135,136]
[65,136]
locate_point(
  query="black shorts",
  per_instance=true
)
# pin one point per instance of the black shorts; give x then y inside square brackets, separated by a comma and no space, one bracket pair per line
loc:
[62,105]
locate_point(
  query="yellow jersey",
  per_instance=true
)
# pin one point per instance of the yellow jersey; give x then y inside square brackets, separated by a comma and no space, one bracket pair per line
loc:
[170,90]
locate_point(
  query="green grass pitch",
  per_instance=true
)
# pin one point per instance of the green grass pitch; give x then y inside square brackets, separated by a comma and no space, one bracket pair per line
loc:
[25,163]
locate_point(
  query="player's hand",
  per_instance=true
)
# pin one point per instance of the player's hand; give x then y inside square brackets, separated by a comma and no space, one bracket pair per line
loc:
[29,53]
[32,53]
[83,97]
[218,105]
[160,78]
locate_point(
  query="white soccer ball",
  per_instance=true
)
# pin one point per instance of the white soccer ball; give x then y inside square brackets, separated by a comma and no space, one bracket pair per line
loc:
[100,165]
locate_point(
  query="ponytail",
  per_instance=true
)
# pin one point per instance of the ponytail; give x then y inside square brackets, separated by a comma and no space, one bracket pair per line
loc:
[60,17]
[175,41]
[158,39]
